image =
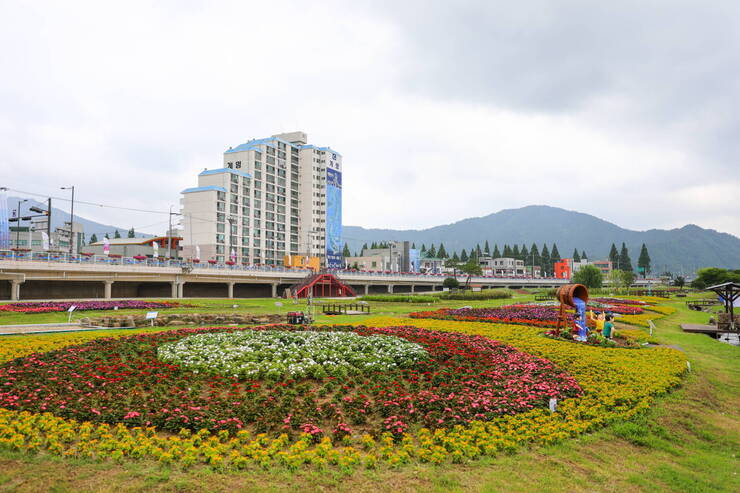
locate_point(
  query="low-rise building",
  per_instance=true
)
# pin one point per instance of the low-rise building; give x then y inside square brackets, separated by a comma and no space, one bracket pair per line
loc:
[503,266]
[36,239]
[132,247]
[605,266]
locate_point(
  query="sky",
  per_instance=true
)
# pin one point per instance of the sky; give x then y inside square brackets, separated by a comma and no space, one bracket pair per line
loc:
[629,110]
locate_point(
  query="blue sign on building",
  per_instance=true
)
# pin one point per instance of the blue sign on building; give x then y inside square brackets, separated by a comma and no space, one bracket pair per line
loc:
[4,224]
[334,219]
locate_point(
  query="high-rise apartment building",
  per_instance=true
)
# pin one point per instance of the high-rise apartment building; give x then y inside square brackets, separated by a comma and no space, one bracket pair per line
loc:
[273,197]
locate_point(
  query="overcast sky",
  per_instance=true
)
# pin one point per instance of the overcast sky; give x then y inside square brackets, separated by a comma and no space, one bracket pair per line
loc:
[629,111]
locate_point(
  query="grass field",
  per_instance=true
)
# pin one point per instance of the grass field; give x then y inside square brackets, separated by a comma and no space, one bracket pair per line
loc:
[688,441]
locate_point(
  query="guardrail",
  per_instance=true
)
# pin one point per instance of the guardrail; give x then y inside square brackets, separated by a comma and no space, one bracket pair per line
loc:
[107,260]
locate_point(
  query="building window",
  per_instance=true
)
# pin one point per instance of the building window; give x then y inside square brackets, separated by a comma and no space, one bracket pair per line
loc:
[221,195]
[220,238]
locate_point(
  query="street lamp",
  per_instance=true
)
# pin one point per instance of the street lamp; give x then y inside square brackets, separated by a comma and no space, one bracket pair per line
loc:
[71,218]
[18,226]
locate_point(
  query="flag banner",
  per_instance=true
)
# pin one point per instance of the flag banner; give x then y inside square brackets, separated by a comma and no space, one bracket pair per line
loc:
[45,240]
[4,224]
[197,252]
[155,245]
[106,246]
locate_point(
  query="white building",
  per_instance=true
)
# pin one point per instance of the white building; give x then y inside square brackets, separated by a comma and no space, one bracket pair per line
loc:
[273,197]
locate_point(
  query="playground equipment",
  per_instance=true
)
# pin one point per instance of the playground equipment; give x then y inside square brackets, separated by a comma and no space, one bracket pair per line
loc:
[573,296]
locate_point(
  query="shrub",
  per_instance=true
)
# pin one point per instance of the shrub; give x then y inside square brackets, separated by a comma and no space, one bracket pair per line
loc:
[451,283]
[400,298]
[486,294]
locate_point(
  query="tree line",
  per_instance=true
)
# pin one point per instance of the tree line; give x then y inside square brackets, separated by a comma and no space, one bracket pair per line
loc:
[543,257]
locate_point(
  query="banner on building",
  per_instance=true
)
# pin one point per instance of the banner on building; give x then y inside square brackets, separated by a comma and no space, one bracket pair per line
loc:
[155,247]
[334,219]
[45,240]
[106,246]
[4,224]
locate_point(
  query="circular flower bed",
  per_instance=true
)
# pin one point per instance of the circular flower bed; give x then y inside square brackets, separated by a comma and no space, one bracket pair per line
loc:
[276,354]
[462,378]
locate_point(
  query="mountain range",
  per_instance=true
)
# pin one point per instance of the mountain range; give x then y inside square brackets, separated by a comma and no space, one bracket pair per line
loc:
[58,217]
[681,250]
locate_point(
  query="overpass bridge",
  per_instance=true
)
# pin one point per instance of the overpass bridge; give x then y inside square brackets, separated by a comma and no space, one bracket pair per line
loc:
[40,275]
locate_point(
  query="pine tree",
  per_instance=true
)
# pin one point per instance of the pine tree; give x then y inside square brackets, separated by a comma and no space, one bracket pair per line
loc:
[432,253]
[478,251]
[464,256]
[413,245]
[346,252]
[374,246]
[487,249]
[534,253]
[583,255]
[93,238]
[576,257]
[515,252]
[131,233]
[116,234]
[423,248]
[507,251]
[625,263]
[643,262]
[364,247]
[554,254]
[442,253]
[455,258]
[546,263]
[106,235]
[473,254]
[524,253]
[496,253]
[614,256]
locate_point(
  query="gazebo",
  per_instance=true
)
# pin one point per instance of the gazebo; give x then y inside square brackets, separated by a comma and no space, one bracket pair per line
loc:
[728,292]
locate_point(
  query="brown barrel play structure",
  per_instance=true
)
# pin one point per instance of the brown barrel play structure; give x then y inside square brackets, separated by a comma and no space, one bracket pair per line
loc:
[565,295]
[567,292]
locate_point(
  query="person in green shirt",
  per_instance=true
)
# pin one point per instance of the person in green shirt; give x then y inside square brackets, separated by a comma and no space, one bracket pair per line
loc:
[608,326]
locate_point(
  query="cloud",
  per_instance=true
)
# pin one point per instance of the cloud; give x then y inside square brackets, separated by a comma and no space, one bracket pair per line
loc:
[441,110]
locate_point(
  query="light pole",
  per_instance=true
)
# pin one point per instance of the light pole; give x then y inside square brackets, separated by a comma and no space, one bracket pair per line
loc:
[71,218]
[18,226]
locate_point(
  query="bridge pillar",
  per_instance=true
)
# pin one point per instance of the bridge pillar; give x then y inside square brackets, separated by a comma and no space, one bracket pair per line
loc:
[107,290]
[231,289]
[390,288]
[174,285]
[274,289]
[180,289]
[367,289]
[15,290]
[412,288]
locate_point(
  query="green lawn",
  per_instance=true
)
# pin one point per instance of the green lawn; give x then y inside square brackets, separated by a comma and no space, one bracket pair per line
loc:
[688,441]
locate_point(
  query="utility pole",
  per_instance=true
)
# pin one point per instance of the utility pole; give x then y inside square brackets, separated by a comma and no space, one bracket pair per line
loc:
[48,222]
[71,219]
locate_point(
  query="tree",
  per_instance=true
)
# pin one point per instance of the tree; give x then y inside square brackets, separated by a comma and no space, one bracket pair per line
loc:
[589,276]
[413,245]
[711,276]
[487,249]
[614,256]
[432,252]
[534,253]
[515,252]
[583,255]
[442,253]
[116,234]
[679,281]
[625,263]
[546,264]
[473,254]
[106,235]
[455,258]
[554,254]
[471,268]
[576,257]
[524,253]
[464,256]
[478,251]
[451,283]
[345,251]
[131,233]
[643,262]
[93,238]
[374,246]
[507,251]
[496,253]
[621,278]
[423,248]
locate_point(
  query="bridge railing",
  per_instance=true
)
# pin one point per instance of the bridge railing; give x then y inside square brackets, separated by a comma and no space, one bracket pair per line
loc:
[345,274]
